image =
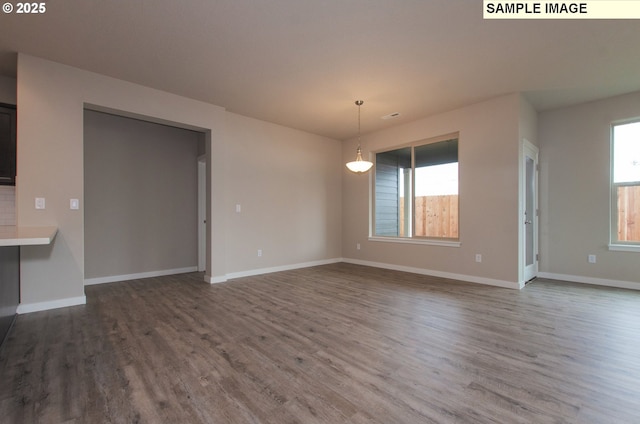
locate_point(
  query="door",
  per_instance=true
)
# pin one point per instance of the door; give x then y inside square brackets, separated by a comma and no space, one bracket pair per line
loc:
[530,210]
[202,213]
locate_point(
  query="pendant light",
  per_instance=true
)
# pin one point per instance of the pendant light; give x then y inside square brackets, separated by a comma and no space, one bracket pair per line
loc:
[359,165]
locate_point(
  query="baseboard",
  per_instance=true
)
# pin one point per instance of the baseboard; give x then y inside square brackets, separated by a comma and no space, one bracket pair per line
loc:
[25,308]
[215,280]
[433,273]
[590,280]
[116,278]
[260,271]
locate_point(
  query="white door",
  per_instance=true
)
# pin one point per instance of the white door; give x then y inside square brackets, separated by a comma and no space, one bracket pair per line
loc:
[202,213]
[530,209]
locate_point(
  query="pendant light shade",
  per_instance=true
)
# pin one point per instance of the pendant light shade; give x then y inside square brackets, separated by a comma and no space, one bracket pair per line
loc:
[359,165]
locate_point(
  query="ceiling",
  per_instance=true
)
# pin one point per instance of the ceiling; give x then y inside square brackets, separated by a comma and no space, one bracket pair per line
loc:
[303,63]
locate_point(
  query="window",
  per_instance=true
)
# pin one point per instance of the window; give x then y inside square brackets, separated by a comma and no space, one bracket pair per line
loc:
[625,184]
[416,191]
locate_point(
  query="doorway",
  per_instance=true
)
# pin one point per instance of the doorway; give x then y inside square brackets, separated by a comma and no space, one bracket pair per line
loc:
[530,211]
[141,194]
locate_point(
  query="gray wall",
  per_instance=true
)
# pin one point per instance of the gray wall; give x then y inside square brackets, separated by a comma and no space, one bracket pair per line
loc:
[140,193]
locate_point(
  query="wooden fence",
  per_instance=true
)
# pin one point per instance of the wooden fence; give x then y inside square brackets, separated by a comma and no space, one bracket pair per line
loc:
[436,216]
[628,213]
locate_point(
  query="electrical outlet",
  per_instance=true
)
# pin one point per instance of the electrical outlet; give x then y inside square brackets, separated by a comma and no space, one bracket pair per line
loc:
[478,257]
[591,259]
[259,253]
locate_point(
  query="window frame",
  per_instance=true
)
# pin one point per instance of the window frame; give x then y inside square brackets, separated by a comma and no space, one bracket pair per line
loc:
[614,243]
[420,240]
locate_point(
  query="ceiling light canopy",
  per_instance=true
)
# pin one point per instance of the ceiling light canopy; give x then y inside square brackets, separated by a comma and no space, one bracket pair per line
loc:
[359,165]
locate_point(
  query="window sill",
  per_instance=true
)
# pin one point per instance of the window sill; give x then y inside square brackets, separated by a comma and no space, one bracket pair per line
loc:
[428,242]
[624,247]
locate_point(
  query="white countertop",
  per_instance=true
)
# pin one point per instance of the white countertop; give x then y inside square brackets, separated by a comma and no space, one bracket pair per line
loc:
[11,235]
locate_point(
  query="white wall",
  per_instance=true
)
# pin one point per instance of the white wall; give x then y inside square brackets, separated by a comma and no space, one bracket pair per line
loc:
[288,186]
[488,155]
[51,99]
[575,181]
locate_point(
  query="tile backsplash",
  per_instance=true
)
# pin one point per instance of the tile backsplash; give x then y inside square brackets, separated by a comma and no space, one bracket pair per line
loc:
[7,205]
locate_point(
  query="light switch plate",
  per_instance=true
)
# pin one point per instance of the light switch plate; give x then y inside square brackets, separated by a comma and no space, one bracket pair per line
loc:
[40,203]
[74,204]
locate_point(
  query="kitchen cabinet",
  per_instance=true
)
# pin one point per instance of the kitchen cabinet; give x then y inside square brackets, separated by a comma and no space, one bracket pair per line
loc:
[7,145]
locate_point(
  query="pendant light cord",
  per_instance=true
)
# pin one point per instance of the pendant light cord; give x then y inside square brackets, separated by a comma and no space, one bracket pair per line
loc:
[359,103]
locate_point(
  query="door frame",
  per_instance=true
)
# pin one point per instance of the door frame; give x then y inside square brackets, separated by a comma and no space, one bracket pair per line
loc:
[527,273]
[202,213]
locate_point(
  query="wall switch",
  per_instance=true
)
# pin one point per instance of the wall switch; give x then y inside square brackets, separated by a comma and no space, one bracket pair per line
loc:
[238,208]
[478,257]
[74,204]
[592,259]
[259,252]
[40,203]
[358,246]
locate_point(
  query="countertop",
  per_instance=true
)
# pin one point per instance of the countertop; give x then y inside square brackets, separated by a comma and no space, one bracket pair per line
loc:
[11,235]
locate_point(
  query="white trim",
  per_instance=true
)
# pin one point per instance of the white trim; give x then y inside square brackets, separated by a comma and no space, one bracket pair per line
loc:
[260,271]
[590,280]
[452,276]
[624,247]
[407,240]
[527,148]
[25,308]
[215,280]
[202,213]
[116,278]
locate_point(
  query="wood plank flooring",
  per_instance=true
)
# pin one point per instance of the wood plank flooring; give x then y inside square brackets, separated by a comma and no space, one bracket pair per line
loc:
[332,344]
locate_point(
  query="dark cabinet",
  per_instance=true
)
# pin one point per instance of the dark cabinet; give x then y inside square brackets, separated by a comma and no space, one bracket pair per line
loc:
[7,145]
